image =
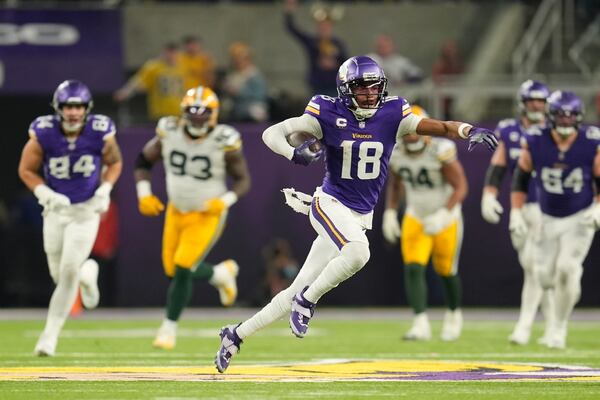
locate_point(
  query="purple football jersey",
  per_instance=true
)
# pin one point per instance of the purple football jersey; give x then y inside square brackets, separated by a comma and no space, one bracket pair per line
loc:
[510,131]
[72,167]
[565,179]
[356,152]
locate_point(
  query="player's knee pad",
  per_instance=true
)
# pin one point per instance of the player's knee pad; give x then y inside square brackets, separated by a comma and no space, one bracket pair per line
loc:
[356,255]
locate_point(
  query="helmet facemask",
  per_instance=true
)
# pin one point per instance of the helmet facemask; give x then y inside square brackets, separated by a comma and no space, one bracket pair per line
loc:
[72,93]
[565,111]
[197,121]
[361,76]
[365,89]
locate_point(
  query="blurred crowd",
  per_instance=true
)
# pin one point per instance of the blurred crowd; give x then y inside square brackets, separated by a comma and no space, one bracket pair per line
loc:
[242,87]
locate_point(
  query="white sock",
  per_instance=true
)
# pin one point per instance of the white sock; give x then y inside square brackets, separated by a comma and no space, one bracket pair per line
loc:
[280,306]
[220,274]
[61,302]
[169,325]
[351,259]
[531,295]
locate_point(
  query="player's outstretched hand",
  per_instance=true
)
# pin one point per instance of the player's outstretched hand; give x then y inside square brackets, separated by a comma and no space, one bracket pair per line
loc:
[150,206]
[481,135]
[303,155]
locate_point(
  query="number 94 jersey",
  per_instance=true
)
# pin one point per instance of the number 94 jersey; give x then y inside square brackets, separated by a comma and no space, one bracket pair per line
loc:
[195,169]
[72,166]
[426,189]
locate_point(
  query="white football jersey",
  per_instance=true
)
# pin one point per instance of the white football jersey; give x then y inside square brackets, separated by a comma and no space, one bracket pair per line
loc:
[426,189]
[195,169]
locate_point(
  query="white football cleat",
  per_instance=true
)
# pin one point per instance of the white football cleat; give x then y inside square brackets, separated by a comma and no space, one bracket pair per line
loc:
[46,346]
[88,283]
[420,330]
[452,327]
[166,336]
[224,279]
[520,335]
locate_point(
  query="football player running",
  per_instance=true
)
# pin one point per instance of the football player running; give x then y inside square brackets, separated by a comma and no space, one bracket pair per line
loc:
[198,155]
[532,102]
[426,175]
[81,162]
[358,130]
[566,159]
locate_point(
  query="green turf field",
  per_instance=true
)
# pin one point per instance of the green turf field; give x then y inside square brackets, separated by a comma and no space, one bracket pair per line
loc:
[340,358]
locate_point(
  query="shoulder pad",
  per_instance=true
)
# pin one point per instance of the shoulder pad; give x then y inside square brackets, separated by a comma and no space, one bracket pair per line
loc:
[318,103]
[42,124]
[534,130]
[506,123]
[228,137]
[592,132]
[166,125]
[102,125]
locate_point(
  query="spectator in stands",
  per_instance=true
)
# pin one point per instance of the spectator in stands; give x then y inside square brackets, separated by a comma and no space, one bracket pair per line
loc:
[325,53]
[398,69]
[163,81]
[198,65]
[448,63]
[244,90]
[281,265]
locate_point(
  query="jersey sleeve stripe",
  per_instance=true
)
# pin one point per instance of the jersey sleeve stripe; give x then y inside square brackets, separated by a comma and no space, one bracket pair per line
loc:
[314,105]
[447,155]
[32,134]
[233,147]
[406,112]
[312,110]
[109,135]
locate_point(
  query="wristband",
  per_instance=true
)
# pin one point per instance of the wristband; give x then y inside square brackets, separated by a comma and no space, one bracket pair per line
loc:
[461,130]
[143,189]
[229,198]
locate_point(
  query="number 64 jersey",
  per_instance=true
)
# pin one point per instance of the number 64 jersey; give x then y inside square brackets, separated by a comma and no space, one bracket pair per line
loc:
[565,178]
[195,169]
[72,166]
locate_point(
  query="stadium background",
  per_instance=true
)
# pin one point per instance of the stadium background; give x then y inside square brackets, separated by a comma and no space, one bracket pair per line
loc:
[115,38]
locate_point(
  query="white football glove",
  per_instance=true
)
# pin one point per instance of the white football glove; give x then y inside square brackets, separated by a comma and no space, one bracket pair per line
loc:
[491,209]
[517,224]
[390,226]
[101,197]
[49,199]
[438,221]
[592,216]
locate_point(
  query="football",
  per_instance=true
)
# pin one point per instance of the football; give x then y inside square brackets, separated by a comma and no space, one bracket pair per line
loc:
[295,139]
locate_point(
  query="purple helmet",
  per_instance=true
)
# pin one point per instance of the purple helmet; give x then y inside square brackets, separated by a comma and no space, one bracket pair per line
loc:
[360,70]
[563,103]
[533,90]
[72,92]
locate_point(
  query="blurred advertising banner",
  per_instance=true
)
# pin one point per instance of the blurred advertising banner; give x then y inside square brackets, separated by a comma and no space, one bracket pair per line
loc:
[41,48]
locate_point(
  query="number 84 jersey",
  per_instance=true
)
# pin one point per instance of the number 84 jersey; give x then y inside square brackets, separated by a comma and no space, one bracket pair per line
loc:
[195,169]
[426,189]
[72,166]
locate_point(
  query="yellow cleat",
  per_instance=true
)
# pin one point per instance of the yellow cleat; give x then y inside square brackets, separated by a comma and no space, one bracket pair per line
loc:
[165,338]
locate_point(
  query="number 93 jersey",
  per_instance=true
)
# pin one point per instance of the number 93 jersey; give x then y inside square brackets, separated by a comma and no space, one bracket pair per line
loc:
[426,189]
[195,169]
[72,166]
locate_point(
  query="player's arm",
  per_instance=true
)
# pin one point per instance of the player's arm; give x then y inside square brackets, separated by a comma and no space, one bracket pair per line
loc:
[148,203]
[593,215]
[275,135]
[394,196]
[518,196]
[454,174]
[491,209]
[32,158]
[112,159]
[237,169]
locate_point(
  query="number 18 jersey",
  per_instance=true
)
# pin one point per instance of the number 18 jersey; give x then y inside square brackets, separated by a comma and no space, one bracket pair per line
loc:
[195,169]
[357,152]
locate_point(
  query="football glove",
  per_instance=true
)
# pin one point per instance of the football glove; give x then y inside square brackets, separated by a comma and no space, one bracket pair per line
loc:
[391,227]
[517,224]
[438,221]
[592,216]
[481,135]
[215,206]
[150,205]
[303,155]
[49,199]
[102,197]
[491,209]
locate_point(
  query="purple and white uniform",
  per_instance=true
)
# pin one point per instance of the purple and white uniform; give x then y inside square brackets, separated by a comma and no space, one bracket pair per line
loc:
[73,167]
[357,152]
[510,131]
[565,179]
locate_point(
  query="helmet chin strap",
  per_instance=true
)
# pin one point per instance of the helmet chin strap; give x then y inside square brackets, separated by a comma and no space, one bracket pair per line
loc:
[68,127]
[363,113]
[534,116]
[197,132]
